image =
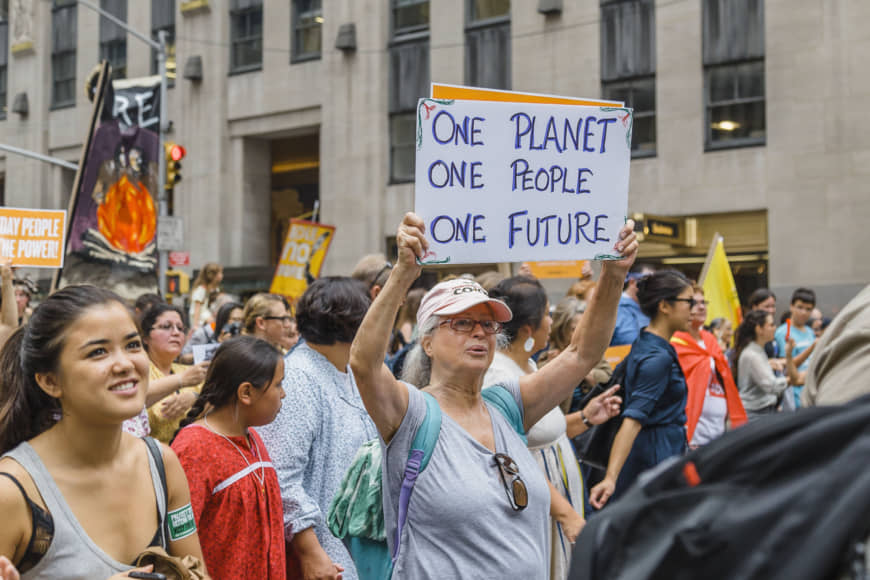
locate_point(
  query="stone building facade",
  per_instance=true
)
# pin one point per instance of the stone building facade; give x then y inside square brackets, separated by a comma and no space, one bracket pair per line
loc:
[275,116]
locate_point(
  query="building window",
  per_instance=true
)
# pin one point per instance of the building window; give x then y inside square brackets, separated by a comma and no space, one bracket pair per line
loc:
[307,26]
[4,56]
[628,66]
[163,18]
[113,38]
[63,53]
[734,73]
[246,35]
[409,81]
[488,44]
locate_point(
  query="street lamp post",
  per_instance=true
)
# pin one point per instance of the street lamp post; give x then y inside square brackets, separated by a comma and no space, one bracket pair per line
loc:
[162,200]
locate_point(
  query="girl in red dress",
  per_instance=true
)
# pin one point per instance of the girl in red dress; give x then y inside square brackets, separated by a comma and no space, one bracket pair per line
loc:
[233,486]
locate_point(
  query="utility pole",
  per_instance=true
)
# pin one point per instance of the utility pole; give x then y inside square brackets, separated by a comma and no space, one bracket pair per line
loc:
[162,199]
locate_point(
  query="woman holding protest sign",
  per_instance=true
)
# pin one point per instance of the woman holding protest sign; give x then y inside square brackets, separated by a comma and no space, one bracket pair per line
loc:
[482,503]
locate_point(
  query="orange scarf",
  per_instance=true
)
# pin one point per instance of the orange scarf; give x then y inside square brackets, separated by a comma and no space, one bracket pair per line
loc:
[695,362]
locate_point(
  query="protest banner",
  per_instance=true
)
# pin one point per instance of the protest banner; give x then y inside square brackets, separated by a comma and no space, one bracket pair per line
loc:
[506,181]
[614,354]
[301,258]
[557,269]
[32,237]
[111,240]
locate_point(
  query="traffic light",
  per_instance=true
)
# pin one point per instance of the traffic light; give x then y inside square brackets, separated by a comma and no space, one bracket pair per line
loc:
[174,153]
[177,283]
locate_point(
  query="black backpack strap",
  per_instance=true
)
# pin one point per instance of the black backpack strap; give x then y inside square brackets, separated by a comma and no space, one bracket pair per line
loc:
[157,454]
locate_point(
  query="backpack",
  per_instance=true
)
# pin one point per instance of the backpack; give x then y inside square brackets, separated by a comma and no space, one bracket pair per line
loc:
[356,513]
[784,497]
[593,446]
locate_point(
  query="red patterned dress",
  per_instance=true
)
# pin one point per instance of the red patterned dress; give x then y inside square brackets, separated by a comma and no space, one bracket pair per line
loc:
[239,517]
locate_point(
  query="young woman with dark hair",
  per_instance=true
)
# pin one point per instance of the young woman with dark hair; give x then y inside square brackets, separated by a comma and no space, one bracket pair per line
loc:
[654,415]
[322,423]
[79,497]
[760,389]
[233,487]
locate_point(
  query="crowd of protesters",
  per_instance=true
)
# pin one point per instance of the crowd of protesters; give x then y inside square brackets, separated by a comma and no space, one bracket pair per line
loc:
[257,440]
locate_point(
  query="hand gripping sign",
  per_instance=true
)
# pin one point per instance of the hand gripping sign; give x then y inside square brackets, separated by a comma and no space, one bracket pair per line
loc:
[506,181]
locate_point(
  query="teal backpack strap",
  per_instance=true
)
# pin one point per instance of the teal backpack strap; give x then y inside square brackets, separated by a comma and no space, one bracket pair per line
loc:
[502,399]
[418,457]
[427,434]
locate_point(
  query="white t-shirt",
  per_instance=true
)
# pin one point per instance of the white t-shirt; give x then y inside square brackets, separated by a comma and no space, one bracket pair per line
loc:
[199,294]
[711,423]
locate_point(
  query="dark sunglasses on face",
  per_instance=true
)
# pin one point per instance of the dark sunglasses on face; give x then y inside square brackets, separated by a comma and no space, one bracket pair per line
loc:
[692,302]
[466,325]
[514,486]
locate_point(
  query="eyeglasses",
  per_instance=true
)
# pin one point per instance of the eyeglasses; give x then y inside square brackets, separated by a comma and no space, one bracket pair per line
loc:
[285,319]
[514,486]
[168,327]
[692,302]
[466,325]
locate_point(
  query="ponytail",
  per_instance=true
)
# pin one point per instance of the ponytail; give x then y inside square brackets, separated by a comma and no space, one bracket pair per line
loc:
[25,409]
[238,360]
[746,333]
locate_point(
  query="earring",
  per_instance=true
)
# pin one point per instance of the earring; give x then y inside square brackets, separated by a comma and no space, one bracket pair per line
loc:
[529,344]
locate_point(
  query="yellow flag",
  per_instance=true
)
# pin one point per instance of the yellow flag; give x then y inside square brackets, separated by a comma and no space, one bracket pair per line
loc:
[719,287]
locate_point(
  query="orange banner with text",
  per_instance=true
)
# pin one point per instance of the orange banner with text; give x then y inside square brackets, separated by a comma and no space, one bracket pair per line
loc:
[32,237]
[557,269]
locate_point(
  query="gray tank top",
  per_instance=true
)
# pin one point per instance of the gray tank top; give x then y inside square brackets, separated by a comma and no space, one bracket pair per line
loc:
[72,555]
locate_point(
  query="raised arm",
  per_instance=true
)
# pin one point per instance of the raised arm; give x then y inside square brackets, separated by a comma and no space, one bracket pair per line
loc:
[385,398]
[546,388]
[9,313]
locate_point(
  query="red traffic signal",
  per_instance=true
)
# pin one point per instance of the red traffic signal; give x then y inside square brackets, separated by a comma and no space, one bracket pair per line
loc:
[177,152]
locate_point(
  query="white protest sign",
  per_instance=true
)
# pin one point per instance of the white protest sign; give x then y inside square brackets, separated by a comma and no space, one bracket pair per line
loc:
[510,182]
[204,352]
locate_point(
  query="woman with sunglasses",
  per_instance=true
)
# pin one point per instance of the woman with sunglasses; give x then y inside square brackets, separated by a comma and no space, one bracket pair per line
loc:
[173,386]
[713,402]
[654,414]
[481,507]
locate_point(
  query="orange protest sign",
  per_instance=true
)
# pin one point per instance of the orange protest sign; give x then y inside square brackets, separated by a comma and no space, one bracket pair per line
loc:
[557,269]
[302,257]
[615,354]
[32,237]
[442,91]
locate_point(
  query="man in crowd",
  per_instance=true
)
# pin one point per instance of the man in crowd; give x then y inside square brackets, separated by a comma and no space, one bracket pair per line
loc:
[802,303]
[629,318]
